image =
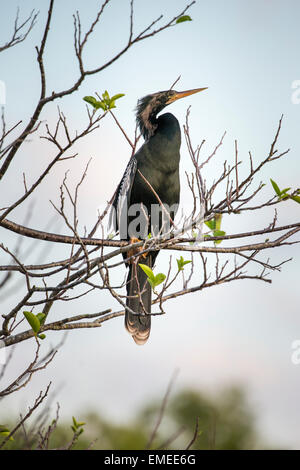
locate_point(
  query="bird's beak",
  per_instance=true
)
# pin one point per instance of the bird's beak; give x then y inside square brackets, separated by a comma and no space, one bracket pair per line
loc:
[182,94]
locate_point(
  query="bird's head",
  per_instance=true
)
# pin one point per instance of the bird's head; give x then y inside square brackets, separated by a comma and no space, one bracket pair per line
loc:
[149,106]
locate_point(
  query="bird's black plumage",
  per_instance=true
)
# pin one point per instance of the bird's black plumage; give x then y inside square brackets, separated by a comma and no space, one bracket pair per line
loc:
[151,178]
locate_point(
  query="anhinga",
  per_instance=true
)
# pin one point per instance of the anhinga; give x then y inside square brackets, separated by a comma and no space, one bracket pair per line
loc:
[151,179]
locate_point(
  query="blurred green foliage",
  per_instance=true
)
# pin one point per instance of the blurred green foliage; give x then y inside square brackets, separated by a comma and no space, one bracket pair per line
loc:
[225,421]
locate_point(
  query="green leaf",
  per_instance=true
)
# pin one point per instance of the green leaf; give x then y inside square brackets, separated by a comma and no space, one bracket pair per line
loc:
[4,432]
[218,233]
[106,103]
[81,423]
[91,100]
[74,422]
[4,429]
[211,223]
[184,18]
[42,336]
[284,190]
[159,278]
[218,219]
[117,97]
[276,187]
[148,271]
[33,321]
[152,279]
[95,103]
[296,198]
[284,197]
[181,263]
[215,223]
[41,317]
[76,426]
[102,105]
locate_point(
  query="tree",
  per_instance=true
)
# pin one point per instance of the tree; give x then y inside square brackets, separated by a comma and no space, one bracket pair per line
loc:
[88,259]
[189,420]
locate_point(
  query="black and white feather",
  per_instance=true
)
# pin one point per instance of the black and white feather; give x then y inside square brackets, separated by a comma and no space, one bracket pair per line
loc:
[122,197]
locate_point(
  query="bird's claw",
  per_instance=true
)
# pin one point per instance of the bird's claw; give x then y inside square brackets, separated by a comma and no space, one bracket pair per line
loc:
[136,250]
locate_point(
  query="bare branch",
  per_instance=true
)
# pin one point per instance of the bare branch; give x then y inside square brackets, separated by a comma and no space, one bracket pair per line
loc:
[162,409]
[21,30]
[36,404]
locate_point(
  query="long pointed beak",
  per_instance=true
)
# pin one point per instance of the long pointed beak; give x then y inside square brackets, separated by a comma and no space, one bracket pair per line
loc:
[182,94]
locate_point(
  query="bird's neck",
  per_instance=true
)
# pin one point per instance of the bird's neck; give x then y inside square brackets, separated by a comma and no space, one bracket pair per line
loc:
[164,146]
[147,122]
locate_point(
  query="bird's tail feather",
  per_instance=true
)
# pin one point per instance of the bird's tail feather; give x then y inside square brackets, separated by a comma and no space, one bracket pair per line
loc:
[139,301]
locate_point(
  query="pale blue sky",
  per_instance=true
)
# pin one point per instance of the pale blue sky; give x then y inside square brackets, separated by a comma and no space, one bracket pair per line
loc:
[247,53]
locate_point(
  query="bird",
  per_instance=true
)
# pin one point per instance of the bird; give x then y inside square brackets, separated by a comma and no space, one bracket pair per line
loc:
[150,187]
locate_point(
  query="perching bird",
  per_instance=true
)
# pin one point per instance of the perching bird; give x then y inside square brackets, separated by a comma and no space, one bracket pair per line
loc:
[151,179]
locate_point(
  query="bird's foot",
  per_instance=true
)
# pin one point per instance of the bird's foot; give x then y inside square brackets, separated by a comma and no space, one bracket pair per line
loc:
[134,251]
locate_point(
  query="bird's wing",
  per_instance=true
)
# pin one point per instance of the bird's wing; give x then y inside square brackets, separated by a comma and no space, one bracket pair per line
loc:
[122,197]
